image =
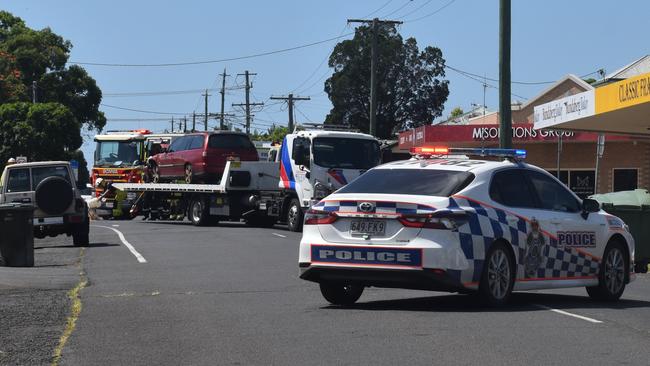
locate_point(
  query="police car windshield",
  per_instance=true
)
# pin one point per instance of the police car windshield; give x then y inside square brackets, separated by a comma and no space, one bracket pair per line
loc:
[428,182]
[345,153]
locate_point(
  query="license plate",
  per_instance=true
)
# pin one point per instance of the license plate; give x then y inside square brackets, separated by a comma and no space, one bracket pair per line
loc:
[370,227]
[50,220]
[109,205]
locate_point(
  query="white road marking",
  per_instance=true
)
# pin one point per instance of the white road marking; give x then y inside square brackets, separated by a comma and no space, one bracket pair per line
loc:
[280,235]
[137,255]
[115,225]
[591,320]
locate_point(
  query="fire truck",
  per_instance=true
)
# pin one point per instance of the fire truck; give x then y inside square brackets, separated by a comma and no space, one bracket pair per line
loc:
[120,157]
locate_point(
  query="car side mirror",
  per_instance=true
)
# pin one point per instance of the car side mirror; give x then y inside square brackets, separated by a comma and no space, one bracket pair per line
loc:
[588,206]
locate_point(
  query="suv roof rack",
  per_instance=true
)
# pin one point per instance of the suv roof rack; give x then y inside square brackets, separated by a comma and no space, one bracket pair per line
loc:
[324,127]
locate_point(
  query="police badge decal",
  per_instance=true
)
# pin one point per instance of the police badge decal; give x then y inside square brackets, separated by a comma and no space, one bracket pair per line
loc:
[534,250]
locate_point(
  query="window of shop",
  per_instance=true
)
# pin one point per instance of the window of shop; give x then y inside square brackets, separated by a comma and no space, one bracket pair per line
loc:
[625,179]
[564,175]
[581,182]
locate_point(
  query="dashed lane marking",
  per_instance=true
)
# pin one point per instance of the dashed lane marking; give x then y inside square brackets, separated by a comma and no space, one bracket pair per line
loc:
[558,311]
[280,235]
[137,255]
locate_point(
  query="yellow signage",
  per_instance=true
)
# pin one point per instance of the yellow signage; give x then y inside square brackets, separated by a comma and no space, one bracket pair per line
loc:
[625,93]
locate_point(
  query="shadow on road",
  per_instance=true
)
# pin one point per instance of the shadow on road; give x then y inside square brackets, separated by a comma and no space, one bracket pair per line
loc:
[520,302]
[91,245]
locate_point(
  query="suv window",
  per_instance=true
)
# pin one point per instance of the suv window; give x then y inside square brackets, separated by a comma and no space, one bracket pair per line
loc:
[18,180]
[196,142]
[441,183]
[40,173]
[553,195]
[179,144]
[229,141]
[510,188]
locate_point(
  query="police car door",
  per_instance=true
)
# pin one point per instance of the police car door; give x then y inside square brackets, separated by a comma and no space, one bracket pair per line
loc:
[562,217]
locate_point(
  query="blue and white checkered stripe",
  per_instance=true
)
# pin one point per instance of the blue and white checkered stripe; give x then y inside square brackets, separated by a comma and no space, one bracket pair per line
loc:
[486,224]
[381,207]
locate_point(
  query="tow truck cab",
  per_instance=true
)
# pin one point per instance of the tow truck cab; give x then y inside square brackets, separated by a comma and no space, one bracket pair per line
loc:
[315,163]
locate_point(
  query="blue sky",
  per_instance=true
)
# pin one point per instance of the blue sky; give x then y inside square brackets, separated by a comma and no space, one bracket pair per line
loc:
[549,39]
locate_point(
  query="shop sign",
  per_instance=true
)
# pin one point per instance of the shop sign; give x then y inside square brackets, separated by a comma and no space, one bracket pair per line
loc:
[625,93]
[565,109]
[582,182]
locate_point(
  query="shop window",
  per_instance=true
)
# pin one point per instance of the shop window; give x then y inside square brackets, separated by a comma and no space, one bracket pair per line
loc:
[564,176]
[625,179]
[582,182]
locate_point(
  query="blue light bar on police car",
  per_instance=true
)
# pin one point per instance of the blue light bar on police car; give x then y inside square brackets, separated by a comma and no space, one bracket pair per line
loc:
[506,153]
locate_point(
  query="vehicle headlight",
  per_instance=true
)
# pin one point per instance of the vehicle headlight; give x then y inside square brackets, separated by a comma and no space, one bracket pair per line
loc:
[321,190]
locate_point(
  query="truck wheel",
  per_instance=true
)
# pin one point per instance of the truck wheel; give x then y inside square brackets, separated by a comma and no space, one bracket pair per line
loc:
[294,215]
[80,234]
[611,277]
[340,293]
[199,213]
[189,175]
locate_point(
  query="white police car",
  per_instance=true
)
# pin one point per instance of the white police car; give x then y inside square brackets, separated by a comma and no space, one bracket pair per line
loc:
[446,222]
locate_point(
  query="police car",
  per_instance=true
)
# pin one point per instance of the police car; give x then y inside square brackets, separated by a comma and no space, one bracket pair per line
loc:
[458,220]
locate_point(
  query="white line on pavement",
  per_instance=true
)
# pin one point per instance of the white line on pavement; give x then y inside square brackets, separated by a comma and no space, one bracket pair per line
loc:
[591,320]
[115,225]
[137,255]
[280,235]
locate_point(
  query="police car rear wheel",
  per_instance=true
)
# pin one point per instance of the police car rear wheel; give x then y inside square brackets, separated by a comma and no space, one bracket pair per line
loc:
[611,279]
[340,293]
[498,276]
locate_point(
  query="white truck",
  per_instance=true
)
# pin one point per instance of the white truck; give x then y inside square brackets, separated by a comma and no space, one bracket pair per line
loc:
[310,165]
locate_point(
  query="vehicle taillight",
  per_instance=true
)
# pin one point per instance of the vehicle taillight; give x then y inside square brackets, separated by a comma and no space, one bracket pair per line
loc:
[445,220]
[318,217]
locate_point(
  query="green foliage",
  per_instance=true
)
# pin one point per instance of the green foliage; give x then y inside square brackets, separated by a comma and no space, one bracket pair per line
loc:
[409,94]
[456,112]
[274,134]
[42,131]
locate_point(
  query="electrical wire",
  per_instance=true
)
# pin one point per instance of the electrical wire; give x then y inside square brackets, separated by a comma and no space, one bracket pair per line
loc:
[398,9]
[142,111]
[188,63]
[430,14]
[379,9]
[415,10]
[484,83]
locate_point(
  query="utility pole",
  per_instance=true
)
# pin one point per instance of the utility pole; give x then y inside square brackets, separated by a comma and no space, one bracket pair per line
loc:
[34,91]
[193,121]
[206,95]
[290,99]
[248,103]
[505,126]
[374,56]
[172,124]
[184,124]
[223,98]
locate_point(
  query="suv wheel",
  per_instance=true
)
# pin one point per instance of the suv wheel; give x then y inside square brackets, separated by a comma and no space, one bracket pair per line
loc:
[80,234]
[294,215]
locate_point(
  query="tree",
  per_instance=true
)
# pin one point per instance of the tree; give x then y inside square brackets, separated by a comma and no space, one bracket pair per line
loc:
[410,93]
[456,112]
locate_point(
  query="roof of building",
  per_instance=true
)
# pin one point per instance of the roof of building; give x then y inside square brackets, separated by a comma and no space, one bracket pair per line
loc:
[637,67]
[579,82]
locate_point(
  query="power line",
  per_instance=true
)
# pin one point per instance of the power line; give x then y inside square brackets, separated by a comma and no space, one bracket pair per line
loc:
[512,82]
[415,10]
[141,111]
[212,61]
[379,9]
[430,14]
[398,9]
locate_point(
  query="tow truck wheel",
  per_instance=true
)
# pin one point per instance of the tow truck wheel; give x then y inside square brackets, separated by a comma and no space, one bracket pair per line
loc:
[294,215]
[189,175]
[340,293]
[198,213]
[611,279]
[498,276]
[80,235]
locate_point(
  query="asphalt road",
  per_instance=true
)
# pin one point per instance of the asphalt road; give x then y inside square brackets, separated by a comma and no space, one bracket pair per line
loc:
[230,295]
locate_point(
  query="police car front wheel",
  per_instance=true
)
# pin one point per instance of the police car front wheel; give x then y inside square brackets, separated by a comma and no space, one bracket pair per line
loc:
[341,294]
[611,279]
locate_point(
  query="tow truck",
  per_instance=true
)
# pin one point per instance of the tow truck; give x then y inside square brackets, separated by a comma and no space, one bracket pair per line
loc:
[311,164]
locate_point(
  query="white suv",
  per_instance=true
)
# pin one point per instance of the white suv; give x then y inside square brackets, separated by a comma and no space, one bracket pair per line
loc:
[50,187]
[445,222]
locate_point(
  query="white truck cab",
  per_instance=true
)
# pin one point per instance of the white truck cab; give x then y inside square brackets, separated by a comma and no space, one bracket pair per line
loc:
[315,163]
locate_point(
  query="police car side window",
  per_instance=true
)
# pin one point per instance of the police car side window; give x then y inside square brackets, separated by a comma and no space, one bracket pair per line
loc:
[510,188]
[551,194]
